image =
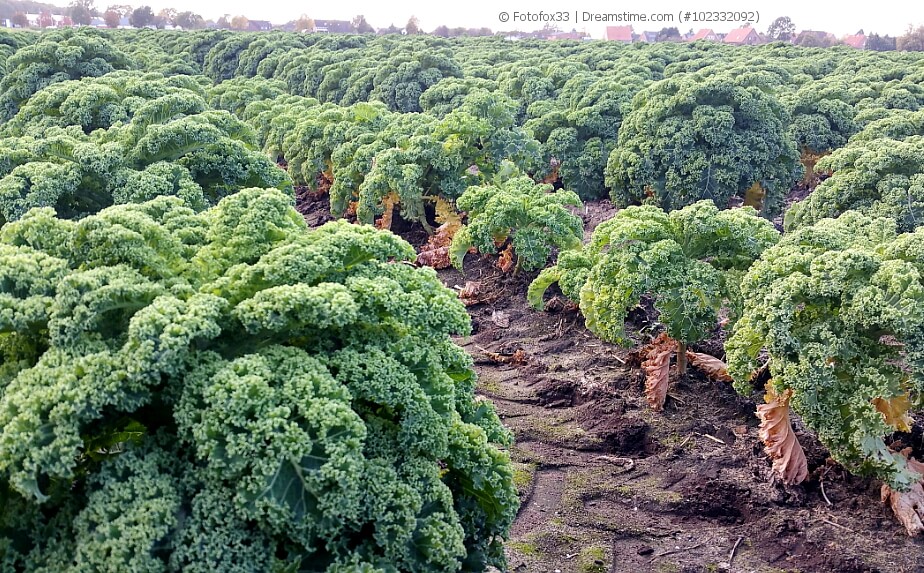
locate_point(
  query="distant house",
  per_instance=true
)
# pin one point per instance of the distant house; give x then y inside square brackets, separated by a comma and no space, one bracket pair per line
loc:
[52,20]
[333,26]
[857,41]
[619,34]
[745,36]
[705,34]
[259,26]
[650,37]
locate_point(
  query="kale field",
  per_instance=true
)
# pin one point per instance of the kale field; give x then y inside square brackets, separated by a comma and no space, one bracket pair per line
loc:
[281,302]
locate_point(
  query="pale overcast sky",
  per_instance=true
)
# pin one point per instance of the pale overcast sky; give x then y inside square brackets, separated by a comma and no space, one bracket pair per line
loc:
[841,18]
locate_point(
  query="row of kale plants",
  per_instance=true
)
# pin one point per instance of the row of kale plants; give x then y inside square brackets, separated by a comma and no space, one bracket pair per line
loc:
[192,379]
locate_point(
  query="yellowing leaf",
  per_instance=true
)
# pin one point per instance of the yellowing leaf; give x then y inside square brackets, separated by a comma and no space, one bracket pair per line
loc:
[754,196]
[389,202]
[895,411]
[446,214]
[780,441]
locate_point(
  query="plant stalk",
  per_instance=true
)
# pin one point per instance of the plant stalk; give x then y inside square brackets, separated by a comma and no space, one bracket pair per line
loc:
[682,358]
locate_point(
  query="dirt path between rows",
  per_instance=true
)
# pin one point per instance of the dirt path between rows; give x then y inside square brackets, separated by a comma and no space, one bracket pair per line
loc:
[607,485]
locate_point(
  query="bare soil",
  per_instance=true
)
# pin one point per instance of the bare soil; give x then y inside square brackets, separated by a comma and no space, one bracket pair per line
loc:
[607,485]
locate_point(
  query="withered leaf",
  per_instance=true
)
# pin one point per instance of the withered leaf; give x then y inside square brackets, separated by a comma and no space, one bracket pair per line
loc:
[710,366]
[908,506]
[657,368]
[471,293]
[389,202]
[780,441]
[895,411]
[505,261]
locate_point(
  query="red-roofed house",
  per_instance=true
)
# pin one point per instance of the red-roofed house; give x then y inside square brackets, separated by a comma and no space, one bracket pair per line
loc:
[704,34]
[746,36]
[857,41]
[619,34]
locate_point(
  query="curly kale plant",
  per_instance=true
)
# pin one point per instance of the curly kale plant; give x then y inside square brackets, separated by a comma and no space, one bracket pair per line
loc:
[686,140]
[839,309]
[229,391]
[690,261]
[532,217]
[822,116]
[880,172]
[58,57]
[172,146]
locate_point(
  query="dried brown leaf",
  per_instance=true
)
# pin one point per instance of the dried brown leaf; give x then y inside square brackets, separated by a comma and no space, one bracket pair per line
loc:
[657,369]
[437,258]
[559,304]
[471,293]
[505,261]
[435,253]
[518,358]
[895,411]
[500,318]
[915,465]
[908,506]
[553,175]
[780,441]
[710,365]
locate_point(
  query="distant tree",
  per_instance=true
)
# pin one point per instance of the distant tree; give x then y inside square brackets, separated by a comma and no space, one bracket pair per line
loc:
[911,41]
[810,39]
[391,29]
[240,23]
[123,10]
[304,24]
[879,43]
[441,31]
[112,18]
[168,15]
[669,35]
[224,22]
[781,29]
[20,20]
[141,17]
[45,20]
[189,21]
[82,12]
[361,26]
[66,21]
[413,26]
